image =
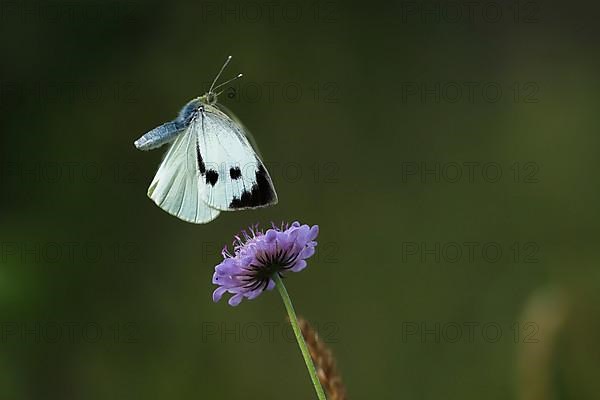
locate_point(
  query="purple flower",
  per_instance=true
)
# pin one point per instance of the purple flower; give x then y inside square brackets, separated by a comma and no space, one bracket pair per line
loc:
[258,256]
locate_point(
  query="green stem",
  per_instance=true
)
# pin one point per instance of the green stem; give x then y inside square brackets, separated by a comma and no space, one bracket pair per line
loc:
[294,321]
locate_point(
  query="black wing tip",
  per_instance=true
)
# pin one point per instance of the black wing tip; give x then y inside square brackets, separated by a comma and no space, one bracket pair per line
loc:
[262,193]
[243,204]
[254,199]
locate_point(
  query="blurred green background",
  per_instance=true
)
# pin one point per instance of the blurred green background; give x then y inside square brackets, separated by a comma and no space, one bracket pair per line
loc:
[430,282]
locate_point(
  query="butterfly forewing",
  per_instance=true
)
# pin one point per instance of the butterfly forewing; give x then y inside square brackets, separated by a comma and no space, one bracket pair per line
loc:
[232,173]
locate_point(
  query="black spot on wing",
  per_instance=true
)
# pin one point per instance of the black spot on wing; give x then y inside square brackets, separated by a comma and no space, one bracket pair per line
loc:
[201,165]
[235,173]
[261,193]
[212,177]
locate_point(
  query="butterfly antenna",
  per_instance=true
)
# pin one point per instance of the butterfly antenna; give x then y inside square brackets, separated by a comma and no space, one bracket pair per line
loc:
[231,80]
[219,74]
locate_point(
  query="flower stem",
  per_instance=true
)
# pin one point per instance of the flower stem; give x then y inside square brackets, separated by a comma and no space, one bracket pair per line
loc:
[294,321]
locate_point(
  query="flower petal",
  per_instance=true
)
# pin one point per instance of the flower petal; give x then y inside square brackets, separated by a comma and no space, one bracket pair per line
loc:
[271,235]
[299,266]
[314,232]
[236,300]
[254,294]
[307,252]
[218,293]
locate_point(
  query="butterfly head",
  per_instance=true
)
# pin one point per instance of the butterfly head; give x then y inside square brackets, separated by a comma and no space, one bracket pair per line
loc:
[209,98]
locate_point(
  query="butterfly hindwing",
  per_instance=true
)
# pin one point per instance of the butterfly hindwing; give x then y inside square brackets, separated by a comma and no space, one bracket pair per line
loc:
[232,173]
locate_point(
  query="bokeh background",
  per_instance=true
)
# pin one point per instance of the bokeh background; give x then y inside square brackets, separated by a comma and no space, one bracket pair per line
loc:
[448,151]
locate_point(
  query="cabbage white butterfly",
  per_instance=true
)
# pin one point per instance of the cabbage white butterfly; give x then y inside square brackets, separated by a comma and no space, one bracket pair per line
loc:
[210,165]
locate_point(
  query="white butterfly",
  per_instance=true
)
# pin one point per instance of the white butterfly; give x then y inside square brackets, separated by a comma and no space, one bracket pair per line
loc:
[210,166]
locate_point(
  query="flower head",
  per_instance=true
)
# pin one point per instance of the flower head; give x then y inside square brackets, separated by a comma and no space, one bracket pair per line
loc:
[258,256]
